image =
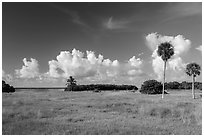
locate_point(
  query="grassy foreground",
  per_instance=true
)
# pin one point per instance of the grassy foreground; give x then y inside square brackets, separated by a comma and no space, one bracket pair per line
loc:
[108,112]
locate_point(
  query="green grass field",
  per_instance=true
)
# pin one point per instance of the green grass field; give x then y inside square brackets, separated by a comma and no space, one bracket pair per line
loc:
[108,112]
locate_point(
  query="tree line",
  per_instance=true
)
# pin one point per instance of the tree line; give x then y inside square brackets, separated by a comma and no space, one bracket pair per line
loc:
[151,86]
[156,87]
[72,86]
[183,85]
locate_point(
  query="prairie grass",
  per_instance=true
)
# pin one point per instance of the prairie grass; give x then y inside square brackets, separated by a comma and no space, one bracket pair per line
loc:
[107,112]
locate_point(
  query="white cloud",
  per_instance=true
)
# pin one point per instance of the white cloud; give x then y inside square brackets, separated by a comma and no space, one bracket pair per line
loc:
[133,67]
[91,67]
[181,46]
[107,62]
[135,62]
[199,48]
[115,63]
[177,64]
[157,64]
[53,65]
[92,58]
[29,69]
[76,64]
[134,72]
[85,67]
[7,77]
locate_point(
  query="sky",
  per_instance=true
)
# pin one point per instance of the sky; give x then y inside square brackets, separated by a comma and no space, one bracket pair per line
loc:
[102,42]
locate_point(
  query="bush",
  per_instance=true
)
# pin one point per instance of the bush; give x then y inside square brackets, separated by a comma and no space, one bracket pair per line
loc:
[151,87]
[7,88]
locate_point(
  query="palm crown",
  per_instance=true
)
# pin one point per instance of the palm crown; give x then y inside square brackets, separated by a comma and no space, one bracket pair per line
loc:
[71,81]
[193,69]
[165,50]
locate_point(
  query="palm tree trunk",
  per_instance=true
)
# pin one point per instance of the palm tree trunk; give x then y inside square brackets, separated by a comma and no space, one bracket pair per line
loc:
[164,79]
[71,87]
[193,92]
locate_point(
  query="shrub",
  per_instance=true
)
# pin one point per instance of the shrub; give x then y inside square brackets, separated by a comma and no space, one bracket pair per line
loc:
[7,88]
[151,87]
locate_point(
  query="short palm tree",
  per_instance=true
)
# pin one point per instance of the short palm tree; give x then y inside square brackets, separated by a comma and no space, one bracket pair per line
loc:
[165,51]
[71,82]
[193,69]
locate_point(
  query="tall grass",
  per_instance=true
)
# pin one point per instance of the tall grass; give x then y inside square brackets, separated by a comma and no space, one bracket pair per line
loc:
[104,113]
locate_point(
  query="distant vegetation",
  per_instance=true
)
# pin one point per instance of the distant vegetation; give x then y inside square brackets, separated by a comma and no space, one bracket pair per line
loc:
[94,87]
[7,88]
[72,86]
[183,85]
[148,87]
[155,87]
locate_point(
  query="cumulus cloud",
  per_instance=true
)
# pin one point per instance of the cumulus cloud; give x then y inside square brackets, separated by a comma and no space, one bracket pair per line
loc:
[181,46]
[85,67]
[199,48]
[135,62]
[157,64]
[177,64]
[76,64]
[7,77]
[29,69]
[133,67]
[91,67]
[53,65]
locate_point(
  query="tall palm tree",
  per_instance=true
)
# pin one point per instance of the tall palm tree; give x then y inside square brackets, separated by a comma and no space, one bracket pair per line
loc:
[71,82]
[193,69]
[165,51]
